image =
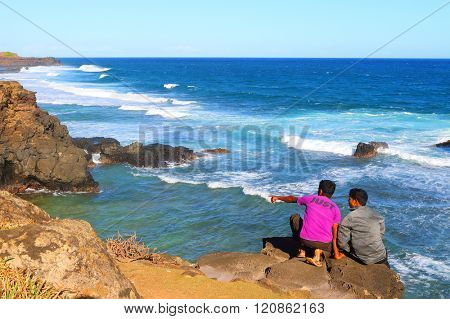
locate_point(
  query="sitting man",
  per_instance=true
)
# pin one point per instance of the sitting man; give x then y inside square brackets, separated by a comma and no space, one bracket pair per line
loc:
[318,230]
[361,231]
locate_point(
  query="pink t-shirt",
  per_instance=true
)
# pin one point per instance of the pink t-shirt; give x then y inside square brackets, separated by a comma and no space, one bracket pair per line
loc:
[320,215]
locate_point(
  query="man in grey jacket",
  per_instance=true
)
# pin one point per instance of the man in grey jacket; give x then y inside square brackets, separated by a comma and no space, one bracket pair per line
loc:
[361,232]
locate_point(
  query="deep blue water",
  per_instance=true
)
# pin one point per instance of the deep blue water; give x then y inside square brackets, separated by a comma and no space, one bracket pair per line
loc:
[259,108]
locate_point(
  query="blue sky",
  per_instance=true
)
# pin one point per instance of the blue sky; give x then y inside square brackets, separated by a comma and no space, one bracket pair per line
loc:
[229,28]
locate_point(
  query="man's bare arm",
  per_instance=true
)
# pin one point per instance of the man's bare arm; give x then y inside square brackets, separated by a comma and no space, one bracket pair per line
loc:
[286,199]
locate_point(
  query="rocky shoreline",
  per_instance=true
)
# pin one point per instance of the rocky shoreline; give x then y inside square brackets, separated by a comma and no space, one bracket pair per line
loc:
[68,254]
[37,152]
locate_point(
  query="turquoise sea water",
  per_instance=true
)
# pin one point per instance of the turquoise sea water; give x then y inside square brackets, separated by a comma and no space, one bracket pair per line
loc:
[288,122]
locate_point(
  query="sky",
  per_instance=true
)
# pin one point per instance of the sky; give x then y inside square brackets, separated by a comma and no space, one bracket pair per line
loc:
[226,28]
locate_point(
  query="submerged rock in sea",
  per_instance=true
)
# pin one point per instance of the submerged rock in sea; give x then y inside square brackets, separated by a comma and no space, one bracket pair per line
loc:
[219,150]
[443,144]
[36,151]
[66,253]
[135,154]
[277,268]
[367,150]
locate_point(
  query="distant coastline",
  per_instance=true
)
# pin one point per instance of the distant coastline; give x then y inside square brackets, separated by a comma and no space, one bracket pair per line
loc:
[12,62]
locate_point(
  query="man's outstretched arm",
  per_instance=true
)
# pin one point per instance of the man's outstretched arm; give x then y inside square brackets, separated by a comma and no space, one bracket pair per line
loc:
[286,199]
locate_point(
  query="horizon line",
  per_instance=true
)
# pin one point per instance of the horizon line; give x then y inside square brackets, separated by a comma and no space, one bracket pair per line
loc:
[255,57]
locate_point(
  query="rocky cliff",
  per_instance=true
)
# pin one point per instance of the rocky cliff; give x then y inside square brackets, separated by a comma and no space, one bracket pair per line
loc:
[10,61]
[36,151]
[65,253]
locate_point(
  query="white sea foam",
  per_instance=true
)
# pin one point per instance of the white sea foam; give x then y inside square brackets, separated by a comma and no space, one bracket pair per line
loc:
[170,85]
[242,180]
[420,159]
[52,74]
[167,113]
[103,75]
[174,180]
[346,148]
[92,68]
[134,107]
[420,267]
[109,96]
[341,148]
[96,158]
[45,69]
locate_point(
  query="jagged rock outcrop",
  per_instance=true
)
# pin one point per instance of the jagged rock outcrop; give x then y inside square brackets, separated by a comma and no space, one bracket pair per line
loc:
[66,253]
[276,268]
[12,62]
[36,151]
[443,144]
[135,154]
[219,150]
[367,150]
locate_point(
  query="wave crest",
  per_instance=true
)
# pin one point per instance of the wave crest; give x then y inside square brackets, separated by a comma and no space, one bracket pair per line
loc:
[92,68]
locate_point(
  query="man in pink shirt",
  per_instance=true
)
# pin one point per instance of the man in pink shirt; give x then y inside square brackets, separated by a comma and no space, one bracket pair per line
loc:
[318,229]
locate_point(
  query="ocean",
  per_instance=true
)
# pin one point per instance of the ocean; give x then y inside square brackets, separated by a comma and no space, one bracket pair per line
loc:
[288,123]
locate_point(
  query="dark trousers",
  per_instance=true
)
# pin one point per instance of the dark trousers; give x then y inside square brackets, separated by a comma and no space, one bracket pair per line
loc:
[296,223]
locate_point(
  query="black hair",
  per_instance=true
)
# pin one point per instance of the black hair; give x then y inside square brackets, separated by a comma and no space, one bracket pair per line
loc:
[327,187]
[360,195]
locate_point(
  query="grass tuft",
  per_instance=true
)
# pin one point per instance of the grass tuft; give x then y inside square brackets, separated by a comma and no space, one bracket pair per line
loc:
[22,284]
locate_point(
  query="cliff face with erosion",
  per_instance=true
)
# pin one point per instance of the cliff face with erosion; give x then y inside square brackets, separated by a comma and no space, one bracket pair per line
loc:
[12,62]
[64,253]
[36,151]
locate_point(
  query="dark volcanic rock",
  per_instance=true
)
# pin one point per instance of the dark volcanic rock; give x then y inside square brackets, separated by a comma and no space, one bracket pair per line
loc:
[96,144]
[367,150]
[443,144]
[282,248]
[35,149]
[216,151]
[66,253]
[135,154]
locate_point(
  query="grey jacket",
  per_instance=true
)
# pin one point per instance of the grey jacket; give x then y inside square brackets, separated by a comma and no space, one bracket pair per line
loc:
[361,234]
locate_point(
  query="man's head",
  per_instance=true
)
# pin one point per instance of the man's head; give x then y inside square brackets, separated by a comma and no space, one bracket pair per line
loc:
[326,188]
[357,197]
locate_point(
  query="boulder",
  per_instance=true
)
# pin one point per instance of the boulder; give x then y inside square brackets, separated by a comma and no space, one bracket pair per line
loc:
[153,155]
[379,145]
[368,150]
[355,280]
[228,266]
[216,151]
[35,149]
[15,212]
[443,144]
[66,253]
[295,274]
[281,248]
[96,144]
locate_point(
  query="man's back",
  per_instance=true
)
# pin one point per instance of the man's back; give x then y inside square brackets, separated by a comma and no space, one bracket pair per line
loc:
[361,233]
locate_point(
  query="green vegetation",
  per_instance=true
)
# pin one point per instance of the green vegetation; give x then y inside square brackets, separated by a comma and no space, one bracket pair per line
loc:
[22,284]
[8,54]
